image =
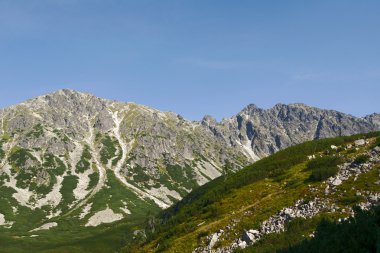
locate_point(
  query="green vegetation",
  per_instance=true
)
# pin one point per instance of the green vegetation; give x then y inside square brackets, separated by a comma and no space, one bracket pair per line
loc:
[261,189]
[323,167]
[361,159]
[377,142]
[68,185]
[94,178]
[36,132]
[54,164]
[250,196]
[109,149]
[84,163]
[359,234]
[296,231]
[18,158]
[2,153]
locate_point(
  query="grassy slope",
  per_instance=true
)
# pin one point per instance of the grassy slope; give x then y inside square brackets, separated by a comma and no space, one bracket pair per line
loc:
[251,196]
[71,235]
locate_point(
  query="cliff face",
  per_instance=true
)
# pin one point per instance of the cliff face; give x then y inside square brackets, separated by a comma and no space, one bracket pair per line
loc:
[267,131]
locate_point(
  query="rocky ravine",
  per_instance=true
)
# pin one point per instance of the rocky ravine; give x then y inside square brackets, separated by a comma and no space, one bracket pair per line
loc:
[70,139]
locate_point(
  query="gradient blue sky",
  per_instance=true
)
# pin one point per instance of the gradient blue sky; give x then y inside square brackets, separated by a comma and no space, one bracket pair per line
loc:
[195,57]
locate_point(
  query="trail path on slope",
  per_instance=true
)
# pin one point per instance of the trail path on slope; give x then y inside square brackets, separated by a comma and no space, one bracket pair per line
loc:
[125,150]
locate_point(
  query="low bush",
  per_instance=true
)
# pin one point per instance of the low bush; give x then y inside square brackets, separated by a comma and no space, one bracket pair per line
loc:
[361,159]
[323,167]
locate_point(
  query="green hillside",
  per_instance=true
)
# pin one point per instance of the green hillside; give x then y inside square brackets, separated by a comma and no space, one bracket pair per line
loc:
[295,177]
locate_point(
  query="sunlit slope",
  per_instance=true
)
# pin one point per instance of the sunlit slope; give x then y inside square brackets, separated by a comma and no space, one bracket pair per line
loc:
[254,208]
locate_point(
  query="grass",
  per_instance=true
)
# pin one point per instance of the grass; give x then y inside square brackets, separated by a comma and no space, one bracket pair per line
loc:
[297,230]
[69,183]
[84,163]
[71,235]
[250,195]
[109,150]
[36,132]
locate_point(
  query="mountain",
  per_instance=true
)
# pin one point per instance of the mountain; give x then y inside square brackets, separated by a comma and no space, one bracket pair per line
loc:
[263,132]
[280,203]
[73,164]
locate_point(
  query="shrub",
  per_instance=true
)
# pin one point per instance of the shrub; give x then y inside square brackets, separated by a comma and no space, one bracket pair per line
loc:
[323,167]
[349,200]
[357,234]
[361,159]
[377,142]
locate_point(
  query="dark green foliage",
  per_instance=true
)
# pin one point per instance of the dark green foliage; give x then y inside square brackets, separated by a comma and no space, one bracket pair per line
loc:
[2,153]
[377,142]
[108,150]
[68,185]
[84,163]
[350,200]
[36,132]
[183,176]
[140,176]
[359,234]
[293,236]
[19,156]
[323,167]
[54,164]
[94,178]
[361,159]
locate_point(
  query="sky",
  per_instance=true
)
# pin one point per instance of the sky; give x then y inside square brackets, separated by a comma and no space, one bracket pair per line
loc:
[195,57]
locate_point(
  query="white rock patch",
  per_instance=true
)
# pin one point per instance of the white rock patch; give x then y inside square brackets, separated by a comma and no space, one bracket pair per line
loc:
[86,210]
[53,214]
[2,219]
[45,226]
[163,192]
[125,208]
[80,191]
[248,150]
[54,197]
[105,216]
[207,169]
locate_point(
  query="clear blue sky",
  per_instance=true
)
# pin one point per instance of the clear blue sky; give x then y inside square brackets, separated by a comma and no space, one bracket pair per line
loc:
[195,57]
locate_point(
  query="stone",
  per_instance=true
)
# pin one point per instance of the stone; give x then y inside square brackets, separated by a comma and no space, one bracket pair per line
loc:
[242,244]
[360,142]
[214,240]
[336,182]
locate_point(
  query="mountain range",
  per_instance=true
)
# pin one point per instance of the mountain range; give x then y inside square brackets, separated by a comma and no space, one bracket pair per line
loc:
[74,164]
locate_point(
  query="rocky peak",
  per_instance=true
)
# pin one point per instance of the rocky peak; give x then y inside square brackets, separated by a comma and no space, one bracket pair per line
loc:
[374,118]
[209,121]
[250,109]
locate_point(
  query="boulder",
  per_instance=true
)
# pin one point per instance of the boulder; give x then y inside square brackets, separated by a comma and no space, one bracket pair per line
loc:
[242,244]
[359,142]
[214,240]
[336,181]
